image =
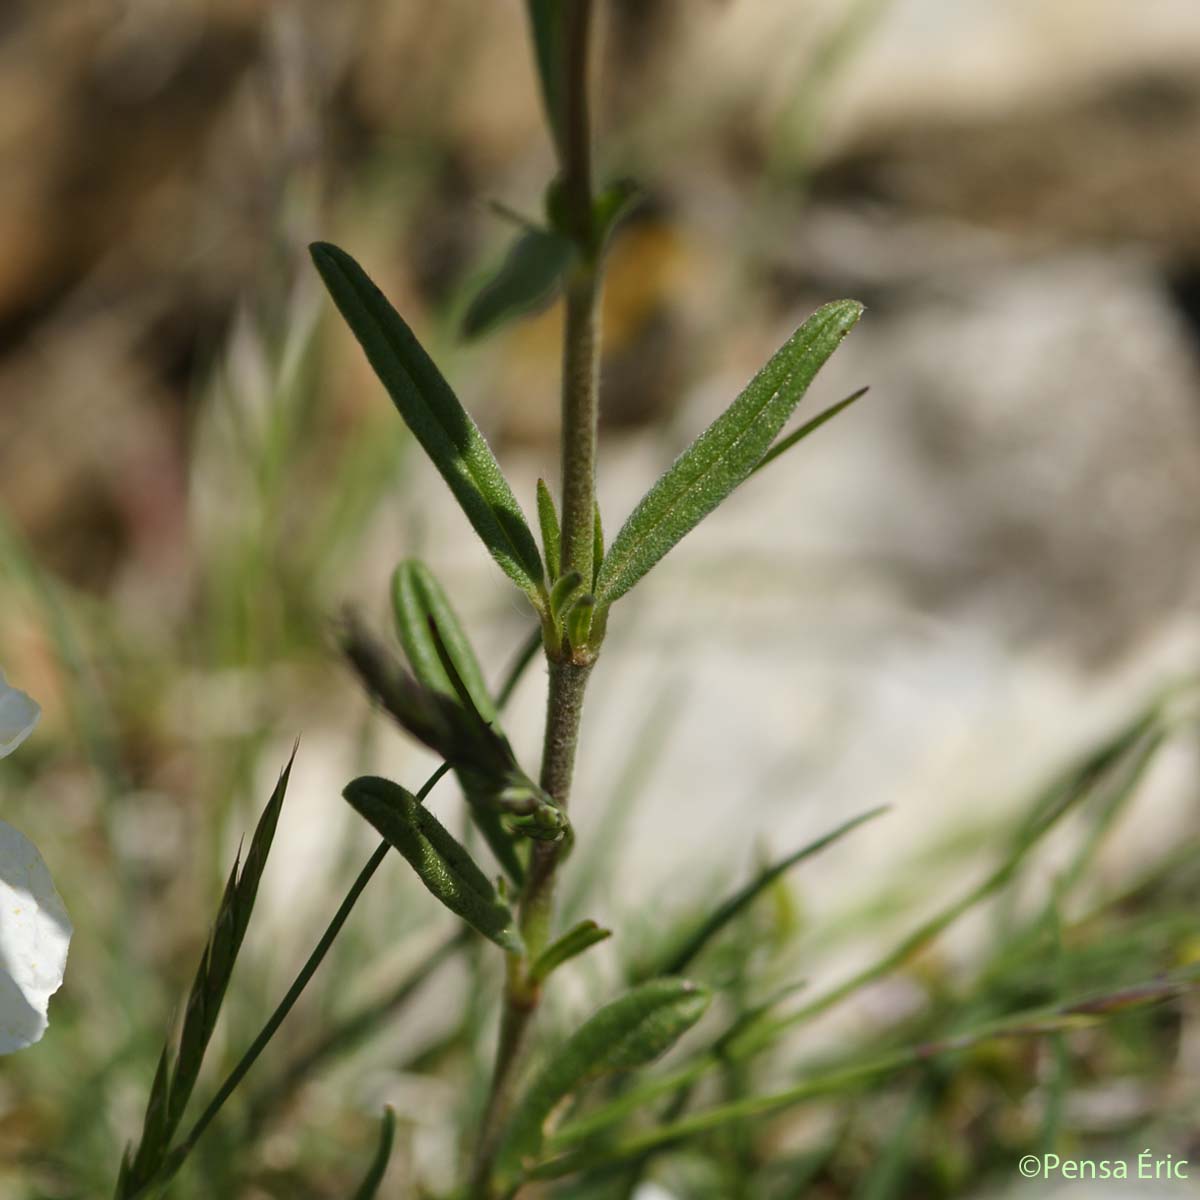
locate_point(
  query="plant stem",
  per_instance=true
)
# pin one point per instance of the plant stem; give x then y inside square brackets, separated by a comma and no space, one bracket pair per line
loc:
[569,671]
[579,420]
[580,331]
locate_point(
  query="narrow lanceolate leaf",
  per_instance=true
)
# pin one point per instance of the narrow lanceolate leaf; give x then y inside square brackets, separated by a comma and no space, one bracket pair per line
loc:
[418,598]
[682,958]
[529,278]
[786,443]
[574,942]
[551,537]
[629,1032]
[445,868]
[597,545]
[432,411]
[546,25]
[724,454]
[374,1177]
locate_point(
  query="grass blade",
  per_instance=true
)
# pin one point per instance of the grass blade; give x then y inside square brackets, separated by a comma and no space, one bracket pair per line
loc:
[173,1084]
[786,443]
[1035,1023]
[432,411]
[725,454]
[686,954]
[374,1177]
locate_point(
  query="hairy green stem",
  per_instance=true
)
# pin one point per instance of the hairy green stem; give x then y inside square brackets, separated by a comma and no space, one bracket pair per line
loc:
[579,420]
[570,665]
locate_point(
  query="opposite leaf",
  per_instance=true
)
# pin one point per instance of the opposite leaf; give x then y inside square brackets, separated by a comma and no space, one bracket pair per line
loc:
[724,454]
[546,25]
[417,597]
[551,534]
[529,277]
[445,868]
[629,1032]
[432,411]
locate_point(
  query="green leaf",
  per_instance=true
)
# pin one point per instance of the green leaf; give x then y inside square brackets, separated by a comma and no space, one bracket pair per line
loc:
[564,590]
[743,897]
[418,598]
[529,278]
[173,1084]
[546,25]
[724,454]
[597,545]
[626,1033]
[548,519]
[432,411]
[786,443]
[574,942]
[445,868]
[579,620]
[374,1177]
[611,206]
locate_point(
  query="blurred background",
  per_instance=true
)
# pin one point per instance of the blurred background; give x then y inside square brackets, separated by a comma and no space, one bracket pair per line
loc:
[976,573]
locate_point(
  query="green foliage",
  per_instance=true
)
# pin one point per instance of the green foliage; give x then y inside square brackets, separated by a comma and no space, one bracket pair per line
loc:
[574,942]
[625,1033]
[444,867]
[682,957]
[1047,973]
[383,1153]
[551,534]
[546,25]
[176,1074]
[433,412]
[529,278]
[724,454]
[430,631]
[786,443]
[420,607]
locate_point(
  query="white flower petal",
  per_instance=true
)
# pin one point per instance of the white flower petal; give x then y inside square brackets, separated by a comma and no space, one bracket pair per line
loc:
[18,715]
[34,934]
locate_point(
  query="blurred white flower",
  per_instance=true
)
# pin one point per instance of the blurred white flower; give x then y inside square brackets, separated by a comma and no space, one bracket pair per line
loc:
[34,928]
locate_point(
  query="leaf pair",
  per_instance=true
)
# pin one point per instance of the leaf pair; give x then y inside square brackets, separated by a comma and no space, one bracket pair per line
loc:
[176,1075]
[443,865]
[441,656]
[572,603]
[728,452]
[451,723]
[626,1033]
